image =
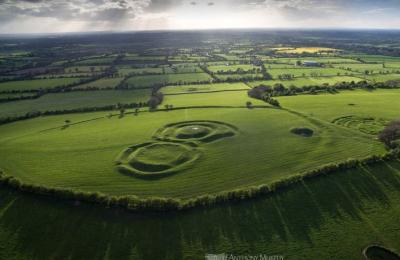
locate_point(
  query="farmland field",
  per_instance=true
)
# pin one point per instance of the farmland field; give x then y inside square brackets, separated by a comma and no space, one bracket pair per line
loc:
[101,83]
[36,84]
[300,82]
[204,88]
[148,81]
[197,144]
[73,100]
[308,72]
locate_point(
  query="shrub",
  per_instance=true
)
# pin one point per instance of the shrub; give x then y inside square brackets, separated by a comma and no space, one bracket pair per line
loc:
[391,134]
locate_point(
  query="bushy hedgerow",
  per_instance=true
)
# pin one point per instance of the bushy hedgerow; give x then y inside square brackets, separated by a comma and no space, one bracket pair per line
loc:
[263,93]
[135,203]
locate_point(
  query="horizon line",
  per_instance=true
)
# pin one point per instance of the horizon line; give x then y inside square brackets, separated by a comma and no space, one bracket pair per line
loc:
[206,29]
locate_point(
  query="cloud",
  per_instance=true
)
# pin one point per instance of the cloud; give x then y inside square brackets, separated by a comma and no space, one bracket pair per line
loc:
[142,14]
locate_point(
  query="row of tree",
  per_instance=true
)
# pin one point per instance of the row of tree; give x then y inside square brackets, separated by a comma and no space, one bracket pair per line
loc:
[262,93]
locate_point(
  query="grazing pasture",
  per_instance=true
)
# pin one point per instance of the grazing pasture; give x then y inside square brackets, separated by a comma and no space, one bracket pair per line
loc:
[234,68]
[308,72]
[101,83]
[300,82]
[73,100]
[361,103]
[188,89]
[149,81]
[36,84]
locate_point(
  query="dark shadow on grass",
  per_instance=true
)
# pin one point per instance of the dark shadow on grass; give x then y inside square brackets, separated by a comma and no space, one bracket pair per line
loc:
[43,228]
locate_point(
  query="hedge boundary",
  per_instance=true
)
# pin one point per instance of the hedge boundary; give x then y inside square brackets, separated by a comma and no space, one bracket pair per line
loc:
[157,204]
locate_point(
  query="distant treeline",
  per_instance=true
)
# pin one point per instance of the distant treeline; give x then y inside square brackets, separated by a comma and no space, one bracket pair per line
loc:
[134,203]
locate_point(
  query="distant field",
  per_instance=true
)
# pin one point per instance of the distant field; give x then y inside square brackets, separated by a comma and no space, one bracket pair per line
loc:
[144,58]
[126,70]
[203,88]
[375,58]
[14,95]
[85,69]
[148,81]
[362,103]
[306,50]
[360,67]
[101,83]
[324,60]
[300,82]
[37,84]
[233,68]
[230,98]
[96,61]
[239,76]
[308,72]
[382,77]
[73,100]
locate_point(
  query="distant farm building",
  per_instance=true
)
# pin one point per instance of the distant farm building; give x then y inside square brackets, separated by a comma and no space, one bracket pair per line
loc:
[311,64]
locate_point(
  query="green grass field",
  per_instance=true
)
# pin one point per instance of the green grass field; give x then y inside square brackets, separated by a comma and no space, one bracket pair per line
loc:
[362,103]
[300,82]
[308,221]
[188,89]
[101,83]
[101,140]
[36,84]
[73,100]
[148,81]
[309,72]
[233,68]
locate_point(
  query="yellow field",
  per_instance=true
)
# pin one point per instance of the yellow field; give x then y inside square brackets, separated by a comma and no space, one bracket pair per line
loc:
[305,49]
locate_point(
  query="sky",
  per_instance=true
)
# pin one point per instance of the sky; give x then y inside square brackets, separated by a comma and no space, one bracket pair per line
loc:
[56,16]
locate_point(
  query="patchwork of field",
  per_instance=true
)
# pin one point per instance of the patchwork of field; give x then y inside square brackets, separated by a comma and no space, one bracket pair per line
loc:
[195,137]
[25,85]
[73,100]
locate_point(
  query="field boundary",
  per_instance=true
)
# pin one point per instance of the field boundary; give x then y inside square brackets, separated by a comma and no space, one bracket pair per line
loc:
[157,204]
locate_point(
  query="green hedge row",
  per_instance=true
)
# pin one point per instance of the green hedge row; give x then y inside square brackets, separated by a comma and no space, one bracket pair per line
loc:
[135,203]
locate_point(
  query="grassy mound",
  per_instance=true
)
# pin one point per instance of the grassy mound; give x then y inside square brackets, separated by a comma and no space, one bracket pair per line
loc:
[202,131]
[377,253]
[367,125]
[156,159]
[306,132]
